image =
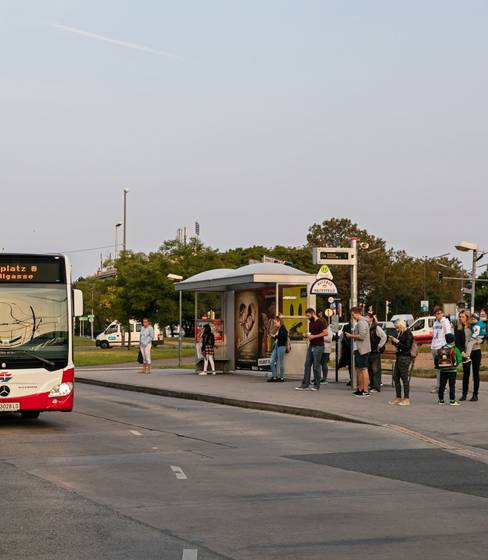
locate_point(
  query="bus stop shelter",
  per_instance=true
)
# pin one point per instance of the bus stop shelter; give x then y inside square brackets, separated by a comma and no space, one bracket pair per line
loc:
[240,305]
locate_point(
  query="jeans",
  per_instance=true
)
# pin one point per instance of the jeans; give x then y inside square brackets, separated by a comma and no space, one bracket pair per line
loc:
[402,367]
[446,376]
[374,370]
[278,359]
[313,359]
[475,365]
[324,362]
[146,354]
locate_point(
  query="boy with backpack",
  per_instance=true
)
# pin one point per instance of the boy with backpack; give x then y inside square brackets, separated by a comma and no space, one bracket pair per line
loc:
[448,358]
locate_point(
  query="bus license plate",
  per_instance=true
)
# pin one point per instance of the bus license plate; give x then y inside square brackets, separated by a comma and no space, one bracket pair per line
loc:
[9,406]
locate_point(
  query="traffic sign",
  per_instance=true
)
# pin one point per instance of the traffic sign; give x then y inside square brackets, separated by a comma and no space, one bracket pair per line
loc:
[424,306]
[83,318]
[91,316]
[334,255]
[329,312]
[331,299]
[323,286]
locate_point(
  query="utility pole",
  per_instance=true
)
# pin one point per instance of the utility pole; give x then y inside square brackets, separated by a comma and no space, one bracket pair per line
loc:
[473,280]
[124,241]
[354,302]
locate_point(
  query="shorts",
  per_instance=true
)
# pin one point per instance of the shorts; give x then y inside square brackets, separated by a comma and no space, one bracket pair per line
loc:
[361,361]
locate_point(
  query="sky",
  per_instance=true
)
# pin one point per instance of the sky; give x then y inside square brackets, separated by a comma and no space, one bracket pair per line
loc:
[256,118]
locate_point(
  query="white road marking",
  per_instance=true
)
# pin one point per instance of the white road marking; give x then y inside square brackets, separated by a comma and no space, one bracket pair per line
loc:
[154,448]
[180,475]
[135,433]
[190,554]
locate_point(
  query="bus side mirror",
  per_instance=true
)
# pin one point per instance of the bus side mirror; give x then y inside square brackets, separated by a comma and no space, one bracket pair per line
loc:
[77,303]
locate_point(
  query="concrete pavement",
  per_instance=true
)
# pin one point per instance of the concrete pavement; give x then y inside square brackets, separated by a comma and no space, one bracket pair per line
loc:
[102,482]
[463,425]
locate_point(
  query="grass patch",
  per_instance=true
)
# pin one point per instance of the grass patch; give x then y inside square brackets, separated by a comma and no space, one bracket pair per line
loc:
[83,341]
[101,357]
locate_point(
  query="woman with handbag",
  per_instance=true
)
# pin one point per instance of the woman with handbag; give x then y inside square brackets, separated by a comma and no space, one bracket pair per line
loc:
[403,343]
[208,349]
[280,345]
[145,345]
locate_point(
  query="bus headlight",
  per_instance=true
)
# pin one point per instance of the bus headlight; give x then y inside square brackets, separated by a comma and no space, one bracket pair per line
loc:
[61,390]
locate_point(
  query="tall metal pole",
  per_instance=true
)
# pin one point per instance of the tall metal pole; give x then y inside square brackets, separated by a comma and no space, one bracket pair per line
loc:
[180,329]
[124,242]
[116,242]
[473,280]
[354,302]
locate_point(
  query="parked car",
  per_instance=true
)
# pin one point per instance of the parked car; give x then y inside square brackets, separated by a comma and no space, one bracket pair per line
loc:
[116,332]
[403,317]
[422,330]
[388,327]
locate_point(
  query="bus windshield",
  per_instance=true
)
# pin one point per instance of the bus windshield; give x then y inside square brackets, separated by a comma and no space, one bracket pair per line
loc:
[33,326]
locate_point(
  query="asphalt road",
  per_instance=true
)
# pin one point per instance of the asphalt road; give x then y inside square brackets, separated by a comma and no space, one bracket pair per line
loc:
[136,476]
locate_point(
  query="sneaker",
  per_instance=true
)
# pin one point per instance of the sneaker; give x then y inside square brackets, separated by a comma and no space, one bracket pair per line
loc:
[324,382]
[395,401]
[466,360]
[474,398]
[358,394]
[366,394]
[314,388]
[301,388]
[404,402]
[373,391]
[203,373]
[454,403]
[214,373]
[271,380]
[281,379]
[440,402]
[463,398]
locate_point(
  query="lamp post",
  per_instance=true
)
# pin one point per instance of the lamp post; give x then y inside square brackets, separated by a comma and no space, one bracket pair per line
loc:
[124,241]
[178,278]
[116,251]
[466,246]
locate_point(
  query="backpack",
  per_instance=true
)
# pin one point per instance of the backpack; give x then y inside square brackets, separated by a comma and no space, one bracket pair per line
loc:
[446,357]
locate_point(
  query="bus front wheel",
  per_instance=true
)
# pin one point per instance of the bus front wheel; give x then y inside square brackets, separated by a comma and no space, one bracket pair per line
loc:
[30,414]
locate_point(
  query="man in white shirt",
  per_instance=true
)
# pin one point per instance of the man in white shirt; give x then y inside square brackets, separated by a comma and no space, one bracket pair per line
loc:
[442,326]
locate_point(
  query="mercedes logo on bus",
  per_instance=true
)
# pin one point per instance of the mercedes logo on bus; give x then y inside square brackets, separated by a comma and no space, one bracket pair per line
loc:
[4,391]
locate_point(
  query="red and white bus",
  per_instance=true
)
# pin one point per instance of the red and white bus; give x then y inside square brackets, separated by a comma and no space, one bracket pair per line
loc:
[37,306]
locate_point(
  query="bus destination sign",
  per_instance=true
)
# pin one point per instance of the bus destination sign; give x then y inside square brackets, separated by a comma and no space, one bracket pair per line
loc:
[35,269]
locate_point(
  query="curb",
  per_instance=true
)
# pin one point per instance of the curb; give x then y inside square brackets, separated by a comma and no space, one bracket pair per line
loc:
[228,401]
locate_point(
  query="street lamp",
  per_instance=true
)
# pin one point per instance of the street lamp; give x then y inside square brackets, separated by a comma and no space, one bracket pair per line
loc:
[178,278]
[116,240]
[124,241]
[465,247]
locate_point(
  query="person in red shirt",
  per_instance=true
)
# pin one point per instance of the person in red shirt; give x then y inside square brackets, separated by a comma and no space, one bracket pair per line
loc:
[316,333]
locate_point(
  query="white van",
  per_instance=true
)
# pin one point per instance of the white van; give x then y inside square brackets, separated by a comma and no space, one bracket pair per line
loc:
[113,334]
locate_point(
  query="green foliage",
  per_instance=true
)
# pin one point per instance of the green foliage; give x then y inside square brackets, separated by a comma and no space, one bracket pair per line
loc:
[141,287]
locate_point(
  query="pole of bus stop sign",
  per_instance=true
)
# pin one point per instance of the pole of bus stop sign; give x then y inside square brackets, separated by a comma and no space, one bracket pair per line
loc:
[354,302]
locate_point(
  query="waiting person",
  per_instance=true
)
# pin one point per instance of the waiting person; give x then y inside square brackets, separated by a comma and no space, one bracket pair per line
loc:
[145,345]
[345,345]
[317,331]
[280,342]
[328,338]
[362,349]
[403,343]
[378,340]
[208,349]
[448,371]
[442,326]
[462,336]
[475,354]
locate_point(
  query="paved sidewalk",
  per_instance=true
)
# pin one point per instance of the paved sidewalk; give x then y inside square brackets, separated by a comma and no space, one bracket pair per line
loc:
[465,424]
